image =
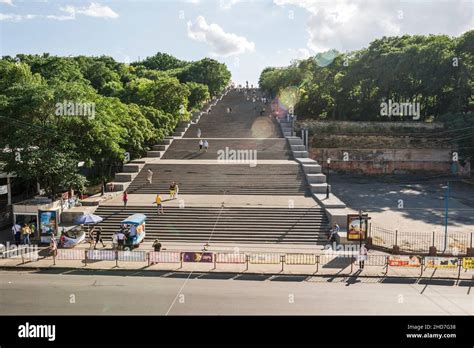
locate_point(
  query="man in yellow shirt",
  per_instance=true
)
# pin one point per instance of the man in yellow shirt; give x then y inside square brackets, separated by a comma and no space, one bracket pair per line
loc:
[159,204]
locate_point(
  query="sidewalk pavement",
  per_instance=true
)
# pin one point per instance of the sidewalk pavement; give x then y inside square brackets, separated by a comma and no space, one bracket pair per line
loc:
[332,268]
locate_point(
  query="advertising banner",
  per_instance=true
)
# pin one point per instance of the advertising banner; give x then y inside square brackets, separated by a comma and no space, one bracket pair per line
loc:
[404,261]
[356,227]
[197,257]
[467,262]
[48,225]
[441,262]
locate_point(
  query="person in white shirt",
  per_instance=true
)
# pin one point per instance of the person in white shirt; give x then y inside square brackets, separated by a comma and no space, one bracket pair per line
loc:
[206,145]
[150,176]
[133,231]
[16,231]
[120,239]
[201,143]
[199,132]
[362,256]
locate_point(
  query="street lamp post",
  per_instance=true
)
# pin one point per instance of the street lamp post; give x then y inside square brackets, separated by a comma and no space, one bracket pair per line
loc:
[446,218]
[360,229]
[328,161]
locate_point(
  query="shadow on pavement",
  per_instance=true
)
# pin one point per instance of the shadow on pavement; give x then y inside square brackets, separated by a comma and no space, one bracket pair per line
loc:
[348,279]
[289,278]
[445,282]
[399,280]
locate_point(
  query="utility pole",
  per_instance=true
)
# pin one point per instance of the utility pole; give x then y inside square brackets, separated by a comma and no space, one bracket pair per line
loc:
[327,177]
[446,218]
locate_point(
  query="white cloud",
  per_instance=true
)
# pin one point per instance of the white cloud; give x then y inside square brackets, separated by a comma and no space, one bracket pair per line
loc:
[93,10]
[348,25]
[7,2]
[15,18]
[228,4]
[222,43]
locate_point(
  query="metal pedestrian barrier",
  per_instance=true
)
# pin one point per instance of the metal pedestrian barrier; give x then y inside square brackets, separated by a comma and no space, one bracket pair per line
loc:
[300,259]
[328,261]
[264,258]
[155,257]
[132,256]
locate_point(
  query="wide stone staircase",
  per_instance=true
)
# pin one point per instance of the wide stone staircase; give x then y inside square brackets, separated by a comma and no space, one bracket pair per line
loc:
[217,179]
[228,224]
[254,196]
[271,148]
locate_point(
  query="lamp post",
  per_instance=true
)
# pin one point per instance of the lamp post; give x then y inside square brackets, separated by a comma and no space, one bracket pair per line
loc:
[446,208]
[328,161]
[360,229]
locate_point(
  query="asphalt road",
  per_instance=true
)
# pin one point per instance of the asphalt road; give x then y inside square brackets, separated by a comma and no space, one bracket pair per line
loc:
[176,294]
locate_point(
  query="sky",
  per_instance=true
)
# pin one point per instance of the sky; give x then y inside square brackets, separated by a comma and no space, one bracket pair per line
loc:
[247,35]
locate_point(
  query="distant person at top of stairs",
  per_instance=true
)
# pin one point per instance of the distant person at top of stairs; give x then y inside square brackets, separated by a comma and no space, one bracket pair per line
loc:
[198,133]
[150,176]
[125,198]
[201,143]
[206,145]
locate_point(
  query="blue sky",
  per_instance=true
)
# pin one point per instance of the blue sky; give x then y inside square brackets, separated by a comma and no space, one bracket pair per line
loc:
[247,35]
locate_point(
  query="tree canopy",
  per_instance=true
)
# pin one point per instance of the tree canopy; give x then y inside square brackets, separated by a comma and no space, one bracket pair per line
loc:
[133,106]
[434,71]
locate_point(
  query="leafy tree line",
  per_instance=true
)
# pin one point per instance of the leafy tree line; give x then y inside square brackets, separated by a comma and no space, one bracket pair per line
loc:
[434,71]
[135,105]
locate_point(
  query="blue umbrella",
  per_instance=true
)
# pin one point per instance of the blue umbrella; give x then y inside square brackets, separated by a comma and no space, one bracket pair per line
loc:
[87,219]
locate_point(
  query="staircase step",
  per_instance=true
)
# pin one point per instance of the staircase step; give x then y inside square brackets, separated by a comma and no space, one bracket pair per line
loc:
[300,154]
[298,147]
[316,178]
[320,188]
[156,154]
[311,168]
[159,147]
[125,177]
[295,141]
[132,167]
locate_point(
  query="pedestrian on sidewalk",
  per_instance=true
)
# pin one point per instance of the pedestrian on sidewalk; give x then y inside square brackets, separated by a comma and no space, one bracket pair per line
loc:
[362,256]
[98,237]
[25,234]
[125,198]
[16,231]
[159,204]
[199,133]
[150,176]
[334,234]
[114,241]
[120,239]
[53,246]
[201,143]
[206,145]
[156,245]
[32,227]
